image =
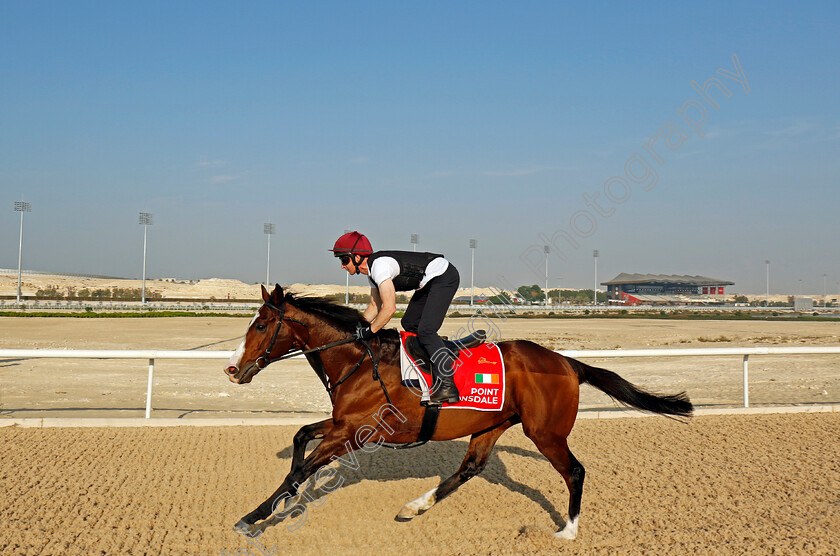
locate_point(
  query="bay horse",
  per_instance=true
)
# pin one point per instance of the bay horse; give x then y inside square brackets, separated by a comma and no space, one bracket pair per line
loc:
[363,381]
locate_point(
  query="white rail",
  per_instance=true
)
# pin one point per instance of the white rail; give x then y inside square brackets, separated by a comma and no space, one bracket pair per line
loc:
[692,352]
[151,355]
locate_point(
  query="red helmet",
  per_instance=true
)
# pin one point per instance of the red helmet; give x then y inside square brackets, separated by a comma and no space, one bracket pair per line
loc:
[352,243]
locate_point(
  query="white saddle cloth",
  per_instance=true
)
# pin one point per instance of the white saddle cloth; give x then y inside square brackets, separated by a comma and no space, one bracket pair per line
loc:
[412,378]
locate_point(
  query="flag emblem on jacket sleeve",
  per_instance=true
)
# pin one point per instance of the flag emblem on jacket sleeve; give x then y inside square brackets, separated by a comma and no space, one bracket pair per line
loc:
[486,378]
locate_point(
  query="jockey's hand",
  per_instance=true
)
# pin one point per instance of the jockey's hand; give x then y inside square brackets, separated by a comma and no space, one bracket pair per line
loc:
[364,333]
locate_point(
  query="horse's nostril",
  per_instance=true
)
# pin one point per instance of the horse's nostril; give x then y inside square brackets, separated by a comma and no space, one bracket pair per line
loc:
[231,370]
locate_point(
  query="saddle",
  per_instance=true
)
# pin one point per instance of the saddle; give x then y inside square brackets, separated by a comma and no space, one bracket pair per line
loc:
[421,358]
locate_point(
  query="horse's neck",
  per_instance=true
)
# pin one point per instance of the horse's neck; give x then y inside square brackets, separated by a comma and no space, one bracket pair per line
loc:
[335,361]
[318,332]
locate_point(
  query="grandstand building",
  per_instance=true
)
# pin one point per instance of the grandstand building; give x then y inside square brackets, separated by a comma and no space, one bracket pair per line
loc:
[665,289]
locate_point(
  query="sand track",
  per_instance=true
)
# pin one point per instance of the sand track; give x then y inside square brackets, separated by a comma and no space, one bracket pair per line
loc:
[719,485]
[755,484]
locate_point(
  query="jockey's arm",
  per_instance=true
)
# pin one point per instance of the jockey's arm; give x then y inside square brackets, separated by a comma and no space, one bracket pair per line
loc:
[373,307]
[385,298]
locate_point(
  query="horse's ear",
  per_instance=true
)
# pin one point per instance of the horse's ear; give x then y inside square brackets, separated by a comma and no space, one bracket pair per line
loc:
[277,294]
[265,296]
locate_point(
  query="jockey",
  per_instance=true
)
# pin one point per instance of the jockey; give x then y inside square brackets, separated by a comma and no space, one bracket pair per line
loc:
[434,281]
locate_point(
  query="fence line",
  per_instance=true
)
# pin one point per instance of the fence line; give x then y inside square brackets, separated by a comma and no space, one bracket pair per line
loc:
[152,355]
[217,305]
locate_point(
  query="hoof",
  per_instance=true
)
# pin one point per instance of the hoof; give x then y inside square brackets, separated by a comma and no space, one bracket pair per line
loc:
[565,535]
[417,507]
[569,532]
[244,527]
[407,513]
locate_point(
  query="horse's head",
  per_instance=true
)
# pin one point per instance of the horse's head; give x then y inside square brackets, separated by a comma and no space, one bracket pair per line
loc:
[266,339]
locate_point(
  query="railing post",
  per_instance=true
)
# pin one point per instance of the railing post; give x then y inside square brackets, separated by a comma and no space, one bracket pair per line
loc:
[149,388]
[746,379]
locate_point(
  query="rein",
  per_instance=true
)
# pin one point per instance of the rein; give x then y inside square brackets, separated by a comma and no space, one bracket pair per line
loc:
[316,360]
[266,357]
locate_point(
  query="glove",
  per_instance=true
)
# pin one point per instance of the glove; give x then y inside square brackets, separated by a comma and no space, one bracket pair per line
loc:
[364,333]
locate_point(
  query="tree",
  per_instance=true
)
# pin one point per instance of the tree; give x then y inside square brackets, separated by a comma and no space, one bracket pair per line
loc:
[51,292]
[531,293]
[501,299]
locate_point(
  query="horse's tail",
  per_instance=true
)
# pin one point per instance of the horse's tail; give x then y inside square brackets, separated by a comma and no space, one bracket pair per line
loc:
[623,391]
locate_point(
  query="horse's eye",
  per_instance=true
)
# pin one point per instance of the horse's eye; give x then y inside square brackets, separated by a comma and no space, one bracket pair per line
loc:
[260,327]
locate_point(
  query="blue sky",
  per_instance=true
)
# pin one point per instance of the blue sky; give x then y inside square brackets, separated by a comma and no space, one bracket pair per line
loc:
[464,120]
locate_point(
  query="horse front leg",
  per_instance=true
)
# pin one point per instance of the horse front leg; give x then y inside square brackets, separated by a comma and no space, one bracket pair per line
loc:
[337,442]
[304,436]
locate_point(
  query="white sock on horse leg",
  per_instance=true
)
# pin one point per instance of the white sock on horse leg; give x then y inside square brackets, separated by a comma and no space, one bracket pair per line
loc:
[569,531]
[413,508]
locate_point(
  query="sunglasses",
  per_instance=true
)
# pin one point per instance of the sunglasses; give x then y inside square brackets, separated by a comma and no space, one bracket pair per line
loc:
[345,259]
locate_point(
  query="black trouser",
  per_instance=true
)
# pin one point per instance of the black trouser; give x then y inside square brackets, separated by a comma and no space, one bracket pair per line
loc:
[425,313]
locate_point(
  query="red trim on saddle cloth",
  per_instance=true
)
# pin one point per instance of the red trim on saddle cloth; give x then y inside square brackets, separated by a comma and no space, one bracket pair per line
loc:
[479,376]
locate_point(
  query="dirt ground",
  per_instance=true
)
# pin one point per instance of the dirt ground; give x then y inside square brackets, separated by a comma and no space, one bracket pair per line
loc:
[198,388]
[750,484]
[735,484]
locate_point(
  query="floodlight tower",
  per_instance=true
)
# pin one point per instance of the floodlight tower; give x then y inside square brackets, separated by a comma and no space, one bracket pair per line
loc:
[21,207]
[415,239]
[595,255]
[546,250]
[825,291]
[473,245]
[145,221]
[559,289]
[268,230]
[347,281]
[767,294]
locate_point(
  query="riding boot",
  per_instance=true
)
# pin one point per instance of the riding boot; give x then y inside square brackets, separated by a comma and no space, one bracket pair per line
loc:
[444,389]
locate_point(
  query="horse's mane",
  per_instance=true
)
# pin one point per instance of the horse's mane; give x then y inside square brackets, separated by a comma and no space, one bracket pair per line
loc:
[345,319]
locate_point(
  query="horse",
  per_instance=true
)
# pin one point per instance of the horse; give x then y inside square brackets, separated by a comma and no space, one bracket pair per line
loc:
[364,383]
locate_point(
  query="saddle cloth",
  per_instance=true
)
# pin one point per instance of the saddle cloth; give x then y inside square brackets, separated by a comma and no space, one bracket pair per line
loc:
[479,376]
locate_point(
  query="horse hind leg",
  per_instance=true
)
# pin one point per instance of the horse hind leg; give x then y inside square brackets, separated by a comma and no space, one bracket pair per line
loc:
[558,453]
[481,445]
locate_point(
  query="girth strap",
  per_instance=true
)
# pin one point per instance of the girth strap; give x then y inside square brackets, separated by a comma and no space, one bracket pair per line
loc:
[427,429]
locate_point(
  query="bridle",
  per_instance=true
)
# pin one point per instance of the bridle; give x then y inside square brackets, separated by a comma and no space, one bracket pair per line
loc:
[315,360]
[266,356]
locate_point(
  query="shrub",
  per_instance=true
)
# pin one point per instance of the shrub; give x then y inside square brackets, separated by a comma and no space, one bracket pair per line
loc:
[50,292]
